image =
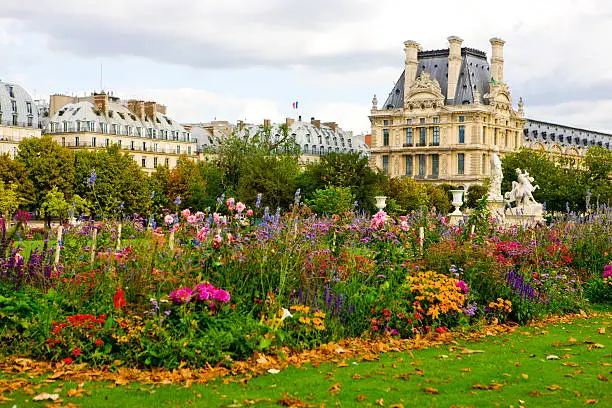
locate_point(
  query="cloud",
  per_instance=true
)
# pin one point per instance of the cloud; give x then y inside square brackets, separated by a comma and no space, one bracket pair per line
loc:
[189,105]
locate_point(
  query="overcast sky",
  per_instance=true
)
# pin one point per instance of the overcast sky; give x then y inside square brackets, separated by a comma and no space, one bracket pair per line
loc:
[250,59]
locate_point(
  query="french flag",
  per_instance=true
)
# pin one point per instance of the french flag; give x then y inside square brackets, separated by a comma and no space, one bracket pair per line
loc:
[295,105]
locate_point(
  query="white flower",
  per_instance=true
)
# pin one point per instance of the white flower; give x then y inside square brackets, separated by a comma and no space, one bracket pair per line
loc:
[286,314]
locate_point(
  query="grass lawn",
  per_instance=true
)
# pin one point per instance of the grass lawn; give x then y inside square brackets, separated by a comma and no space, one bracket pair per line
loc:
[558,364]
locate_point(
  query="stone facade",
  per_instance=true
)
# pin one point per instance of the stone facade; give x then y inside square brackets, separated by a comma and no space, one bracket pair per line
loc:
[562,140]
[140,128]
[445,115]
[18,117]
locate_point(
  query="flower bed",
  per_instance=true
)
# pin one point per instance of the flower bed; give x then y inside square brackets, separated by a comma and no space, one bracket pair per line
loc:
[213,288]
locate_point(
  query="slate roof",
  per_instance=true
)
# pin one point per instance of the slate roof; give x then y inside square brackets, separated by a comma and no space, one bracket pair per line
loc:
[473,74]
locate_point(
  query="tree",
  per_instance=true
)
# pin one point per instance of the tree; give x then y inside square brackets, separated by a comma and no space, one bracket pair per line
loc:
[186,182]
[332,200]
[49,165]
[344,170]
[9,199]
[475,192]
[598,162]
[272,176]
[407,193]
[55,205]
[112,182]
[16,173]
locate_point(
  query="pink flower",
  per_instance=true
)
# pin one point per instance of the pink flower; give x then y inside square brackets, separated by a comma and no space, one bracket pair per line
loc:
[379,219]
[249,213]
[230,237]
[202,234]
[199,215]
[221,295]
[607,271]
[230,203]
[240,207]
[169,219]
[192,219]
[203,291]
[182,295]
[186,213]
[404,225]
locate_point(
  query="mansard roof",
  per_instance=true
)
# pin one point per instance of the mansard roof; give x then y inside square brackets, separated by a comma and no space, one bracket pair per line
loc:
[474,74]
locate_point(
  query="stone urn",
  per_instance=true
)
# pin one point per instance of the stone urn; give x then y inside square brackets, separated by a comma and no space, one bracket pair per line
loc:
[381,202]
[457,201]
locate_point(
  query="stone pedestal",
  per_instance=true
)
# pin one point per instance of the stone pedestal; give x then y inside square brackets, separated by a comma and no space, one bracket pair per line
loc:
[496,207]
[528,214]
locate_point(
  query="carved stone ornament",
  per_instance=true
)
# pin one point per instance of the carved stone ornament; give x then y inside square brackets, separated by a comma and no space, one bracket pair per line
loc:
[425,92]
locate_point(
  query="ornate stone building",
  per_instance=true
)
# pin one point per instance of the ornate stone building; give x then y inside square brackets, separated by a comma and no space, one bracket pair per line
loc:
[562,140]
[445,115]
[140,128]
[18,117]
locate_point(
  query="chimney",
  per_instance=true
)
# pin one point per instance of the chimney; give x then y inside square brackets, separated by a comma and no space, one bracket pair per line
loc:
[101,103]
[150,108]
[331,125]
[411,48]
[317,123]
[289,121]
[497,59]
[266,123]
[454,65]
[161,109]
[137,108]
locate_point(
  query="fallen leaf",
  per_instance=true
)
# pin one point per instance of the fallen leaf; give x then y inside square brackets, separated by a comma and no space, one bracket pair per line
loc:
[361,397]
[535,393]
[342,364]
[602,330]
[466,370]
[525,376]
[429,390]
[44,396]
[602,377]
[380,402]
[591,402]
[335,389]
[554,387]
[570,363]
[552,357]
[274,371]
[468,351]
[572,340]
[597,345]
[396,406]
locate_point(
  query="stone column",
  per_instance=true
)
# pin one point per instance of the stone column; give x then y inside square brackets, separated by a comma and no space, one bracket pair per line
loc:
[497,59]
[411,49]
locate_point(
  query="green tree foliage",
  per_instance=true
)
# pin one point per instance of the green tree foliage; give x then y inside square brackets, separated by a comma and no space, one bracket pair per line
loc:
[598,163]
[185,181]
[274,177]
[439,198]
[475,192]
[343,170]
[158,186]
[48,165]
[9,199]
[212,176]
[405,194]
[120,186]
[55,205]
[259,161]
[332,200]
[15,172]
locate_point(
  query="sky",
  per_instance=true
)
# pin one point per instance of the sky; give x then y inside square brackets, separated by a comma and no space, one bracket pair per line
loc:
[251,59]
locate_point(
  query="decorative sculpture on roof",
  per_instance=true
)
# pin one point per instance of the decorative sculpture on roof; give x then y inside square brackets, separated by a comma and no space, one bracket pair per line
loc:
[522,190]
[424,81]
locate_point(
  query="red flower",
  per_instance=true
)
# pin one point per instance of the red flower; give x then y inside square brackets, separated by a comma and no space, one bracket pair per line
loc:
[99,342]
[76,352]
[67,360]
[119,299]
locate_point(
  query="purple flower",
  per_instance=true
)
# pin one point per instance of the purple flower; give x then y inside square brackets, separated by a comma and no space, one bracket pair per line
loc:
[463,286]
